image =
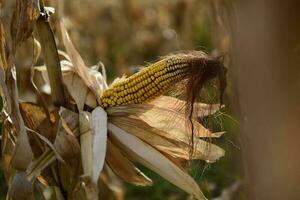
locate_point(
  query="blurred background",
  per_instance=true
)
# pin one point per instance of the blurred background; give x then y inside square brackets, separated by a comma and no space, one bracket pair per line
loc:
[126,35]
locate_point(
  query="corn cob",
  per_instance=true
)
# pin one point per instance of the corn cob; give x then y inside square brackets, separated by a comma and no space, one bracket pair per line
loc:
[148,83]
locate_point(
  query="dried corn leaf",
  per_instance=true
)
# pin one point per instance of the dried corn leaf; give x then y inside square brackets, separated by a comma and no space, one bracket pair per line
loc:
[32,114]
[91,81]
[7,144]
[77,89]
[91,100]
[68,147]
[22,154]
[35,168]
[21,188]
[124,168]
[37,119]
[110,186]
[52,193]
[171,103]
[48,143]
[166,120]
[85,189]
[3,57]
[154,160]
[75,85]
[170,145]
[52,63]
[25,15]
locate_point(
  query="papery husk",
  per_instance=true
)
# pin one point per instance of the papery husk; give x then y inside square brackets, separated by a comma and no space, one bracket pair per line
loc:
[163,119]
[52,193]
[75,85]
[77,88]
[24,18]
[25,12]
[110,186]
[8,140]
[174,146]
[99,141]
[36,166]
[85,189]
[86,142]
[124,168]
[154,160]
[171,103]
[20,188]
[38,120]
[95,84]
[68,147]
[93,139]
[20,160]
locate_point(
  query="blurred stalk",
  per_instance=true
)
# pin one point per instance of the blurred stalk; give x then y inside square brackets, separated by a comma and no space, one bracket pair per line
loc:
[266,78]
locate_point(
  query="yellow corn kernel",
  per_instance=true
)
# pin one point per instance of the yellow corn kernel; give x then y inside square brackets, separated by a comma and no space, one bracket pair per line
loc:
[148,83]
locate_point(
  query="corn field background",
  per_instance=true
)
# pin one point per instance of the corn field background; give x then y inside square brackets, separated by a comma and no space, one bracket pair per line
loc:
[258,42]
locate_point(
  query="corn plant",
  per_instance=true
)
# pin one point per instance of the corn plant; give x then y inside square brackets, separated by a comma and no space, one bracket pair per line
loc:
[94,133]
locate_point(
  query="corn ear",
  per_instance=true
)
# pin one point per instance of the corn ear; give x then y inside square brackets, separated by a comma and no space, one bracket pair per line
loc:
[148,83]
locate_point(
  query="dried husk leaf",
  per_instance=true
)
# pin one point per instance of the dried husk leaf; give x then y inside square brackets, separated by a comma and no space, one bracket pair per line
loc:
[77,89]
[3,57]
[154,160]
[22,155]
[173,146]
[79,67]
[85,189]
[8,144]
[124,168]
[35,168]
[25,15]
[20,160]
[163,119]
[32,114]
[171,103]
[99,131]
[44,125]
[52,63]
[21,188]
[52,193]
[86,142]
[109,185]
[91,100]
[74,83]
[68,147]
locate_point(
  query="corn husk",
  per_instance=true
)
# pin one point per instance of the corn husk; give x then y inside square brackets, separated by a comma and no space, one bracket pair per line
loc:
[124,168]
[99,131]
[170,145]
[154,160]
[171,103]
